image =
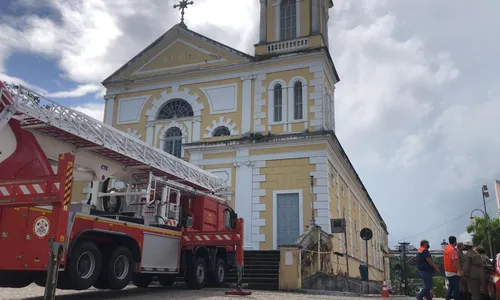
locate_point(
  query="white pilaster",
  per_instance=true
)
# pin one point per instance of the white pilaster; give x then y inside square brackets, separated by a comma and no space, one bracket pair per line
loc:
[149,134]
[246,106]
[196,130]
[320,190]
[243,198]
[297,15]
[317,96]
[110,109]
[263,21]
[259,115]
[257,206]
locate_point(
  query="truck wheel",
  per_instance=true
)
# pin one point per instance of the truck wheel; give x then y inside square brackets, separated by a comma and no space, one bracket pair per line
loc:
[196,274]
[167,280]
[119,268]
[142,280]
[218,275]
[84,266]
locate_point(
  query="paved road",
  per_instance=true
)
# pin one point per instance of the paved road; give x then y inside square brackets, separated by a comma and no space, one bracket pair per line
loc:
[34,292]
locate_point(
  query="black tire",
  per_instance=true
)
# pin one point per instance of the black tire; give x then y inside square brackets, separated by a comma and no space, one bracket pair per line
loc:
[218,276]
[120,268]
[196,274]
[109,278]
[84,266]
[142,280]
[167,280]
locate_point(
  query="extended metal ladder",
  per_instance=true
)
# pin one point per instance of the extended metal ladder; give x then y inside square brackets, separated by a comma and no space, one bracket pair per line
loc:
[38,113]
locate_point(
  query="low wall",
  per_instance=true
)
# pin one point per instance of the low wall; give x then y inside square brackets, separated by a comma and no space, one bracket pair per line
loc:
[322,281]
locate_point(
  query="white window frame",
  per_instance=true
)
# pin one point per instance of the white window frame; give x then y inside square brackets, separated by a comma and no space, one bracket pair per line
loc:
[277,7]
[291,99]
[284,104]
[275,213]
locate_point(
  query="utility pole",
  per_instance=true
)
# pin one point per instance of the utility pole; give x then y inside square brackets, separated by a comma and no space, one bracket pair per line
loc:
[313,220]
[404,279]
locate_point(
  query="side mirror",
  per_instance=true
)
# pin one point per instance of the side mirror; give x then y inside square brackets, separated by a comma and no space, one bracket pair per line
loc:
[189,222]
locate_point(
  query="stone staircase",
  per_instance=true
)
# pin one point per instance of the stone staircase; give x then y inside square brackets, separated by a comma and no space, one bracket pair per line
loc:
[261,270]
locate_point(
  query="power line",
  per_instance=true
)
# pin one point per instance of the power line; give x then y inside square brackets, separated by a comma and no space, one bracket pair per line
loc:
[440,225]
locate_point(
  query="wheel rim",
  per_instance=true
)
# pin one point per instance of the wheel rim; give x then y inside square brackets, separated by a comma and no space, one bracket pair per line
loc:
[121,267]
[221,273]
[86,265]
[200,273]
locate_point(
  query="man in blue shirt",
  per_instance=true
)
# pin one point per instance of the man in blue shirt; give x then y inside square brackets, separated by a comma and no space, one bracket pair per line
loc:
[426,268]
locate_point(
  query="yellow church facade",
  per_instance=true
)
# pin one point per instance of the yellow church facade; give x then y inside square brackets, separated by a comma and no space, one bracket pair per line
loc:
[264,123]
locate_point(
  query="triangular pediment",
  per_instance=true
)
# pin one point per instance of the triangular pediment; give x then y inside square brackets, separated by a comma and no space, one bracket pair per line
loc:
[179,50]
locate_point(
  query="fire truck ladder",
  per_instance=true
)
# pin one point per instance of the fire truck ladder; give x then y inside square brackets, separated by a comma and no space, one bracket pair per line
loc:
[43,115]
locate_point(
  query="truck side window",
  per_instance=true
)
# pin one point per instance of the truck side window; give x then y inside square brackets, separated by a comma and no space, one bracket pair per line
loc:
[227,218]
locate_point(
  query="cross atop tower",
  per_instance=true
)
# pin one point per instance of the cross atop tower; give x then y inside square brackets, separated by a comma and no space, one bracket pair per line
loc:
[183,4]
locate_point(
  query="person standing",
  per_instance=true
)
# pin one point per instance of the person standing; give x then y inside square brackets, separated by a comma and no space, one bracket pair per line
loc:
[486,274]
[473,270]
[426,268]
[464,292]
[452,269]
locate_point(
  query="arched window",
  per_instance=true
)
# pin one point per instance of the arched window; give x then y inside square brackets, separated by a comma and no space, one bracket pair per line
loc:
[221,131]
[298,112]
[278,103]
[173,141]
[288,19]
[176,108]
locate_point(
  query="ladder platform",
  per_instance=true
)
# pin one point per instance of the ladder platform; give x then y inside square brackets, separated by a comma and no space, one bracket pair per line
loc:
[36,113]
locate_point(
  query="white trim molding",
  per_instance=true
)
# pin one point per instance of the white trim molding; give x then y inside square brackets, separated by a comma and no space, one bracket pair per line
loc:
[133,132]
[132,106]
[275,213]
[226,94]
[226,122]
[193,100]
[194,47]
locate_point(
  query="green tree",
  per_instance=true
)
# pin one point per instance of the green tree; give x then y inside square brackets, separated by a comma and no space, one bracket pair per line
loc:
[479,229]
[438,287]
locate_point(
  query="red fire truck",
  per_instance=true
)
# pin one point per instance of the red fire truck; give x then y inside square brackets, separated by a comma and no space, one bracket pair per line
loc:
[163,221]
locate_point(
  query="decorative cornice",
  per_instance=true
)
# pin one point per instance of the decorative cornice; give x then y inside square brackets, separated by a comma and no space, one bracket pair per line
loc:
[248,77]
[247,163]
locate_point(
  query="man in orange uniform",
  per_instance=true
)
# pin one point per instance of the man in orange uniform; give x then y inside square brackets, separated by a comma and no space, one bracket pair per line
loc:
[452,269]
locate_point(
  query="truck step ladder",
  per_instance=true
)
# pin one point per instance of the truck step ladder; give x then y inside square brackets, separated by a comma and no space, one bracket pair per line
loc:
[39,114]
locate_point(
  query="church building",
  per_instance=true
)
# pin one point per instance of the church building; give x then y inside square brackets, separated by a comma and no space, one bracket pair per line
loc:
[264,123]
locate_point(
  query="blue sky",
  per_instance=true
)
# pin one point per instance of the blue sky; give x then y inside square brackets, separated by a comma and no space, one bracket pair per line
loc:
[416,108]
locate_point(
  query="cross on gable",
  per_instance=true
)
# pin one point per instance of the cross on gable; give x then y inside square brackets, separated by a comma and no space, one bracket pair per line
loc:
[183,4]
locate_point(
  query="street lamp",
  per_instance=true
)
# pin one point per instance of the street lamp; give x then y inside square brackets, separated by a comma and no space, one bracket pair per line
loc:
[488,237]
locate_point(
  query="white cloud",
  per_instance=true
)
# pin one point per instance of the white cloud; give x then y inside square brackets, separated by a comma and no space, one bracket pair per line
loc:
[95,110]
[80,91]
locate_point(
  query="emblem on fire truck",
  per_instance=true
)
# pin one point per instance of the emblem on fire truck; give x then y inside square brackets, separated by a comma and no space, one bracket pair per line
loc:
[41,227]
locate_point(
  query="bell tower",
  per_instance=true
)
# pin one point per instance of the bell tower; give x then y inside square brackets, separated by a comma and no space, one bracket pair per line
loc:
[291,25]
